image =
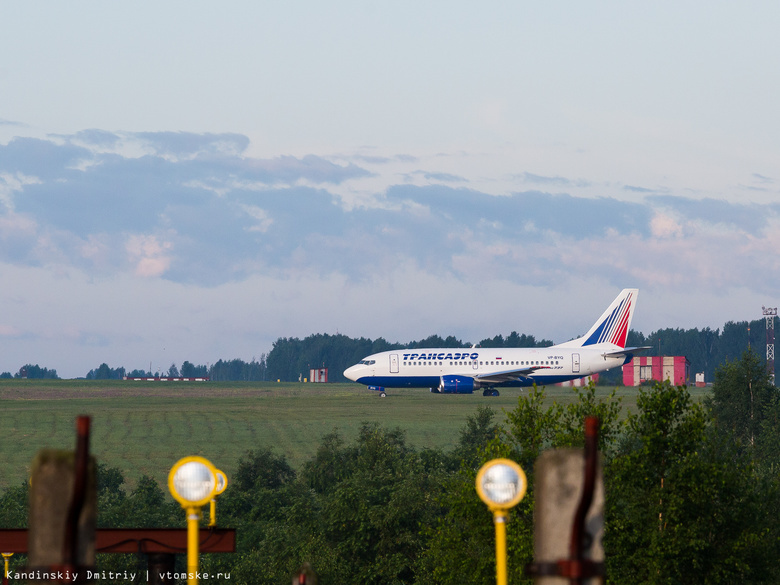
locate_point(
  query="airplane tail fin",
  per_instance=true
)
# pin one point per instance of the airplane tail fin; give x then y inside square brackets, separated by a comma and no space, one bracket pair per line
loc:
[612,327]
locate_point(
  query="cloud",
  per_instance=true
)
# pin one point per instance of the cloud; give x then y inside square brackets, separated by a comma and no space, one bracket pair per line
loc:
[94,137]
[542,180]
[43,159]
[184,145]
[192,208]
[665,226]
[547,213]
[9,331]
[635,189]
[10,183]
[288,169]
[440,177]
[762,179]
[261,216]
[748,217]
[149,255]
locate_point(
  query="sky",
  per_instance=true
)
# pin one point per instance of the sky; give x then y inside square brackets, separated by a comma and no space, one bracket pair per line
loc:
[194,180]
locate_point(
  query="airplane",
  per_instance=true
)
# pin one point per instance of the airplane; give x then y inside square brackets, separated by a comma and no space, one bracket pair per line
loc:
[464,370]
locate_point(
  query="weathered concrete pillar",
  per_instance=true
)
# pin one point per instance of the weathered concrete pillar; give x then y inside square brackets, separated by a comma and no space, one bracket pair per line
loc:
[559,479]
[51,498]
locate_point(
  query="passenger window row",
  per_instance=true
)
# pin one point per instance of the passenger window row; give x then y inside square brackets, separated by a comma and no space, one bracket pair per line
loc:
[488,363]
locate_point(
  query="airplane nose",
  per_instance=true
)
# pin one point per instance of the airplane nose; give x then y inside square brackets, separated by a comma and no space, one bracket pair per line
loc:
[351,373]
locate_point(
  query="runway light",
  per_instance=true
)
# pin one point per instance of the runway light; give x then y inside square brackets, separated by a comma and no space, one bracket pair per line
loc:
[501,484]
[192,482]
[222,482]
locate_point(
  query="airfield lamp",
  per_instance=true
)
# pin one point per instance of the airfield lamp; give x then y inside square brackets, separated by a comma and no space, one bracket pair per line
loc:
[192,482]
[221,485]
[6,557]
[501,484]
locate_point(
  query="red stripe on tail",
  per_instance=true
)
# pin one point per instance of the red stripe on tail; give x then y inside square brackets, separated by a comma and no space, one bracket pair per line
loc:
[619,338]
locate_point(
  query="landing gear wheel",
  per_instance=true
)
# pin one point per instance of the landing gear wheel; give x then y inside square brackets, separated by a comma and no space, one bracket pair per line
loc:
[494,393]
[383,395]
[487,392]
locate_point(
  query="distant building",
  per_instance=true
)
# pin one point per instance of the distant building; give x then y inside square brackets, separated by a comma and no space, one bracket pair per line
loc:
[318,375]
[657,368]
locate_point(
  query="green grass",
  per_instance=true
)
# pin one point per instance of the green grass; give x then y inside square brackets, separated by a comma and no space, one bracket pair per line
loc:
[145,427]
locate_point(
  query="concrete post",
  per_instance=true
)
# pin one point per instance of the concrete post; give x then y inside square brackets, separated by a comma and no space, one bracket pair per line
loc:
[51,496]
[558,490]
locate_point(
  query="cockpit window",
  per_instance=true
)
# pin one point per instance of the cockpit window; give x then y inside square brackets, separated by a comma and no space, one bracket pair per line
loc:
[368,362]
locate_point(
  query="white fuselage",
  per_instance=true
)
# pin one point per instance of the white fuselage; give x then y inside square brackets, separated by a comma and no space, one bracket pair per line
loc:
[424,368]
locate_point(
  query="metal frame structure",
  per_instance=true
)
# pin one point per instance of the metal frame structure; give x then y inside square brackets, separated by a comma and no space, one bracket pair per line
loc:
[769,314]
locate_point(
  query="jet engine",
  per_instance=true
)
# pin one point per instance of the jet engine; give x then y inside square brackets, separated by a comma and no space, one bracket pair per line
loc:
[457,385]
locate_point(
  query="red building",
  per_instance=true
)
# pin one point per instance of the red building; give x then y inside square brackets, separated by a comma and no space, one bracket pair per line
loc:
[655,368]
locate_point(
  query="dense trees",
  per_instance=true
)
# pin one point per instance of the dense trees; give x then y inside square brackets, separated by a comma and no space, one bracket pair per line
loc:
[35,372]
[292,358]
[238,370]
[743,398]
[687,504]
[706,348]
[104,372]
[354,511]
[222,371]
[189,370]
[514,340]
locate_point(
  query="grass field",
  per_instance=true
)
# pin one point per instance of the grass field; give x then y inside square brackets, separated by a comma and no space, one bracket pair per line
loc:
[145,427]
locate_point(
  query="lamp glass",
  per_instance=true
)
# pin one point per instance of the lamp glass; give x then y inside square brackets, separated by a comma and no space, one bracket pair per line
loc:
[221,482]
[194,481]
[501,484]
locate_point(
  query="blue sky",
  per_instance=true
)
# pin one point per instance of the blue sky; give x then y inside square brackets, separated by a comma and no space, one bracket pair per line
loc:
[191,180]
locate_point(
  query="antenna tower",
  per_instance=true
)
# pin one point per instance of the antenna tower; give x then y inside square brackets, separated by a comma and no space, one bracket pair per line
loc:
[769,314]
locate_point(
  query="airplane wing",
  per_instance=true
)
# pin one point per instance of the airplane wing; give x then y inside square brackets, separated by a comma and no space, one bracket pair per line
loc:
[515,375]
[626,351]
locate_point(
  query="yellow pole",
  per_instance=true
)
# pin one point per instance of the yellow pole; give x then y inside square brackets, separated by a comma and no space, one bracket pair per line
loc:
[6,557]
[193,516]
[213,513]
[499,519]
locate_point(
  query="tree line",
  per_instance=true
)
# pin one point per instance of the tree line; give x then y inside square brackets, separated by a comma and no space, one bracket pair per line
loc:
[692,494]
[32,371]
[707,349]
[291,358]
[222,371]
